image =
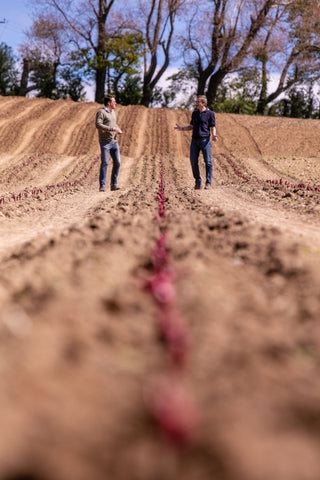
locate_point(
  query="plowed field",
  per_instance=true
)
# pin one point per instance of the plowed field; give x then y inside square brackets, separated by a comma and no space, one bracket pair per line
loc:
[158,332]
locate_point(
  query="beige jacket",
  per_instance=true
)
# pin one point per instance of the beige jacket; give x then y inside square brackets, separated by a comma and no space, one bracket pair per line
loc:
[105,123]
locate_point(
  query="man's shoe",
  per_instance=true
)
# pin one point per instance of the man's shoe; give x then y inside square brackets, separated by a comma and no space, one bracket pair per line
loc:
[208,186]
[114,187]
[102,189]
[197,186]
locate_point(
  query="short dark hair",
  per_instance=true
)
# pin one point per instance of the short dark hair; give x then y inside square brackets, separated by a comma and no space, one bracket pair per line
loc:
[107,99]
[203,99]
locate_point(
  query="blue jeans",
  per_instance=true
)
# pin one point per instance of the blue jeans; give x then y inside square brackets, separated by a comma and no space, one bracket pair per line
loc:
[203,145]
[113,150]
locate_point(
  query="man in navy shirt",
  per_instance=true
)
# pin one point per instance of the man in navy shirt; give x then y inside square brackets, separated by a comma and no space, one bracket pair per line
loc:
[202,124]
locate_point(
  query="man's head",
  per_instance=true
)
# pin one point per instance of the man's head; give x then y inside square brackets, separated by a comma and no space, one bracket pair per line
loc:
[201,101]
[109,101]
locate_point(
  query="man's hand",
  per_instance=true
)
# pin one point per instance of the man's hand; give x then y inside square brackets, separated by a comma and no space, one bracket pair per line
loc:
[117,130]
[177,127]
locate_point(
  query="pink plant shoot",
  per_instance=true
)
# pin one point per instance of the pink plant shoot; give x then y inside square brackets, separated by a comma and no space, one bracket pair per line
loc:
[160,285]
[172,408]
[174,334]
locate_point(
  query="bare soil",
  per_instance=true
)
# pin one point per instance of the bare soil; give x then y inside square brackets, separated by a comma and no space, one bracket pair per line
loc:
[83,369]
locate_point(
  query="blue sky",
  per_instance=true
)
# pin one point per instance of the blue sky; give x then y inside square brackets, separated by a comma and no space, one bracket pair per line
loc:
[17,16]
[17,19]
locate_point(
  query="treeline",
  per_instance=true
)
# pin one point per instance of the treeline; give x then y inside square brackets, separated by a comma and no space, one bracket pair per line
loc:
[247,56]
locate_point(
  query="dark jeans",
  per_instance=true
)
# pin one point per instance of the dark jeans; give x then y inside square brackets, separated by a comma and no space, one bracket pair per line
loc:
[113,150]
[201,145]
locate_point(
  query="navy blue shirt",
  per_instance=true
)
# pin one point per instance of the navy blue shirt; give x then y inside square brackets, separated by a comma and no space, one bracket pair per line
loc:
[202,122]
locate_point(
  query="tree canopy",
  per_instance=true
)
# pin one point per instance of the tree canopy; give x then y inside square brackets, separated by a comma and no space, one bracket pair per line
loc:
[8,72]
[230,50]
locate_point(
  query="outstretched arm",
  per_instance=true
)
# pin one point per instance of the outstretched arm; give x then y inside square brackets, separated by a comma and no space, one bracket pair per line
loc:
[178,127]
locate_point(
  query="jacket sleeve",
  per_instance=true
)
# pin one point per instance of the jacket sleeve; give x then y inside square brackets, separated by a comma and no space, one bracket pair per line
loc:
[99,123]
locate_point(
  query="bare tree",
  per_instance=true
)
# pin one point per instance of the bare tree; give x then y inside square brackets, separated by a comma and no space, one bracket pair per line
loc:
[157,24]
[223,42]
[269,43]
[26,67]
[297,57]
[89,25]
[45,43]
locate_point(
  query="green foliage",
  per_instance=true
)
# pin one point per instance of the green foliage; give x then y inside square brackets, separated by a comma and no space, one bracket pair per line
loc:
[43,77]
[239,94]
[120,57]
[8,72]
[130,91]
[179,93]
[162,97]
[70,85]
[113,58]
[280,109]
[82,59]
[235,105]
[124,54]
[302,102]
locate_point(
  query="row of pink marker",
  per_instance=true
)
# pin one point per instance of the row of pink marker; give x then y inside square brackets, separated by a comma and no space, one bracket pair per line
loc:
[167,399]
[280,182]
[39,190]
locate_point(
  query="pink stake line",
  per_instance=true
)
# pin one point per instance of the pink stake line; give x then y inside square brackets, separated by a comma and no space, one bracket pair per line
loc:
[173,410]
[134,108]
[294,186]
[301,186]
[170,324]
[237,172]
[37,190]
[20,168]
[167,401]
[161,195]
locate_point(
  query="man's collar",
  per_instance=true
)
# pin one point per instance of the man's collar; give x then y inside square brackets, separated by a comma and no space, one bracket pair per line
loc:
[107,110]
[202,110]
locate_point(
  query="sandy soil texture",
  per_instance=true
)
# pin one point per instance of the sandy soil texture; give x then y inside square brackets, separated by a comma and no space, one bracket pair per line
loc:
[158,332]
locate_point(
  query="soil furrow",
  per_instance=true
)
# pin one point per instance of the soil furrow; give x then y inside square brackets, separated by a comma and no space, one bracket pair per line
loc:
[79,344]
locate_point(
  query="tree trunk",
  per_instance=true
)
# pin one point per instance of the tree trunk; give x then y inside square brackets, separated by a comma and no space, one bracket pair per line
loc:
[201,83]
[214,83]
[230,42]
[24,77]
[101,71]
[100,78]
[262,102]
[54,73]
[146,95]
[157,35]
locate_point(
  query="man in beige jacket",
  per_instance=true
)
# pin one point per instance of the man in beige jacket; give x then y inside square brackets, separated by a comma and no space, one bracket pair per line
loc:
[106,124]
